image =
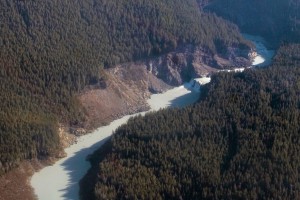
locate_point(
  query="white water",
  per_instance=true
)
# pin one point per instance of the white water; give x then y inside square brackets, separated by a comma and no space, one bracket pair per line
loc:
[60,181]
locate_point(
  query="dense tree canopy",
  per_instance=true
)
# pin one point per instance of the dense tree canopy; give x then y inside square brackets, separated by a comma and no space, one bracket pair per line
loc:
[240,141]
[50,50]
[275,20]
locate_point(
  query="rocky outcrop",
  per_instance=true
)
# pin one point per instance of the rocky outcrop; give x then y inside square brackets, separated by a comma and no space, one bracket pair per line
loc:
[67,135]
[191,62]
[126,87]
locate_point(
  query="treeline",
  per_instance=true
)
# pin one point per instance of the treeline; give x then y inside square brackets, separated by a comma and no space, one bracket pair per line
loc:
[50,50]
[240,141]
[275,20]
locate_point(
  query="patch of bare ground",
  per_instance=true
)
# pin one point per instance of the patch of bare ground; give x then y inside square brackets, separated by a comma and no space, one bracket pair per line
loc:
[66,137]
[15,184]
[125,91]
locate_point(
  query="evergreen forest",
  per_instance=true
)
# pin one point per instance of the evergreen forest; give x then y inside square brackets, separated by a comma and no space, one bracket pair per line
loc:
[276,20]
[50,50]
[239,141]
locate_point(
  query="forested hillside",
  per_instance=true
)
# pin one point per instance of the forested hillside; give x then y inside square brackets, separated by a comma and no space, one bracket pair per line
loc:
[240,141]
[50,50]
[275,20]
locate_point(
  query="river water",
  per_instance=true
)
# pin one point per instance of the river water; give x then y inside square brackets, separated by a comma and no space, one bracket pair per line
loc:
[265,55]
[60,180]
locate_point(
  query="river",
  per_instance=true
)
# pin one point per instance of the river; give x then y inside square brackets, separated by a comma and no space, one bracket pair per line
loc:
[264,55]
[60,180]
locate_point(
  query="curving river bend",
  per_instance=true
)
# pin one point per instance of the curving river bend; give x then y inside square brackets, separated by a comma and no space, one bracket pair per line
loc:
[60,180]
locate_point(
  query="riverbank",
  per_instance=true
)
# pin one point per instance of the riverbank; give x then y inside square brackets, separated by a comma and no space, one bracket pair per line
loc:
[73,167]
[215,148]
[62,178]
[264,56]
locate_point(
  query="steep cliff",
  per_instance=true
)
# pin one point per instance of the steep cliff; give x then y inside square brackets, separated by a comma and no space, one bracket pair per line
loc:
[191,61]
[124,91]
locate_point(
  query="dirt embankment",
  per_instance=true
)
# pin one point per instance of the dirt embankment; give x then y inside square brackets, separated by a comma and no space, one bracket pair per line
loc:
[124,92]
[15,184]
[126,87]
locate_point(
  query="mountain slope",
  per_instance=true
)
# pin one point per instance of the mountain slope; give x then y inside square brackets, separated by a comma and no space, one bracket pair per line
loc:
[275,20]
[240,141]
[50,50]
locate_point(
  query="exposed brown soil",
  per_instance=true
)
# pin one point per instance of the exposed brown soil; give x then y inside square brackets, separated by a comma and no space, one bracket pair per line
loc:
[126,91]
[66,138]
[15,184]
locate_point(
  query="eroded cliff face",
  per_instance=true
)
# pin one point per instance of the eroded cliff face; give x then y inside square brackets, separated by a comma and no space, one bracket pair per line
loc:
[124,92]
[192,62]
[126,87]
